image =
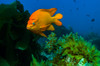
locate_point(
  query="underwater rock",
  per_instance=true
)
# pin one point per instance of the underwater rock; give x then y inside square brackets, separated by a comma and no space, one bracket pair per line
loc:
[96,42]
[62,30]
[92,37]
[41,41]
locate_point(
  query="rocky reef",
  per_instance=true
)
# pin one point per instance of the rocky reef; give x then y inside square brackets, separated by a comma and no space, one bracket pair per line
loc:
[20,47]
[69,50]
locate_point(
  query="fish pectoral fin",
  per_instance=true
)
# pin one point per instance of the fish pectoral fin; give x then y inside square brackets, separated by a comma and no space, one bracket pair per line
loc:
[51,28]
[42,34]
[51,11]
[43,28]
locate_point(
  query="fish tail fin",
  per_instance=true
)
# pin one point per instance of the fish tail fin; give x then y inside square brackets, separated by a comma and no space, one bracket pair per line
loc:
[58,16]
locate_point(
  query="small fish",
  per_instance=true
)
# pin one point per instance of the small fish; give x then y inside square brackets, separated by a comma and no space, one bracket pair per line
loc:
[41,20]
[92,20]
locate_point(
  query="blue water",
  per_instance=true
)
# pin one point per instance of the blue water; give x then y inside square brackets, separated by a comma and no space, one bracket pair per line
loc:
[77,14]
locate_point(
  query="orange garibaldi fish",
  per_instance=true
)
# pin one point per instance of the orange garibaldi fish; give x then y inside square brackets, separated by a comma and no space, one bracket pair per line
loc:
[41,20]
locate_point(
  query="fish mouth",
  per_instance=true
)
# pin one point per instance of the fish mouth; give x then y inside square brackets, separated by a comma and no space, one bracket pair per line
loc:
[28,27]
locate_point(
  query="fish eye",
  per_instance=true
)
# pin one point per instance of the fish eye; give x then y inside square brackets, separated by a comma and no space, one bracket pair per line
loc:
[33,23]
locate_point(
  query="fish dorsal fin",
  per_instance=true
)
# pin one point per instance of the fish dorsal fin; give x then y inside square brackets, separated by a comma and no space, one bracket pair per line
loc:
[51,28]
[51,11]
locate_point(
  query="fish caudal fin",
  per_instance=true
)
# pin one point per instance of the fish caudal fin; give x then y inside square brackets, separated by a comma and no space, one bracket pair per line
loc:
[58,23]
[58,16]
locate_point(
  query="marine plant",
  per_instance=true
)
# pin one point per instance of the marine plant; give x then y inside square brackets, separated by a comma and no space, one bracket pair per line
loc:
[15,48]
[72,50]
[34,62]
